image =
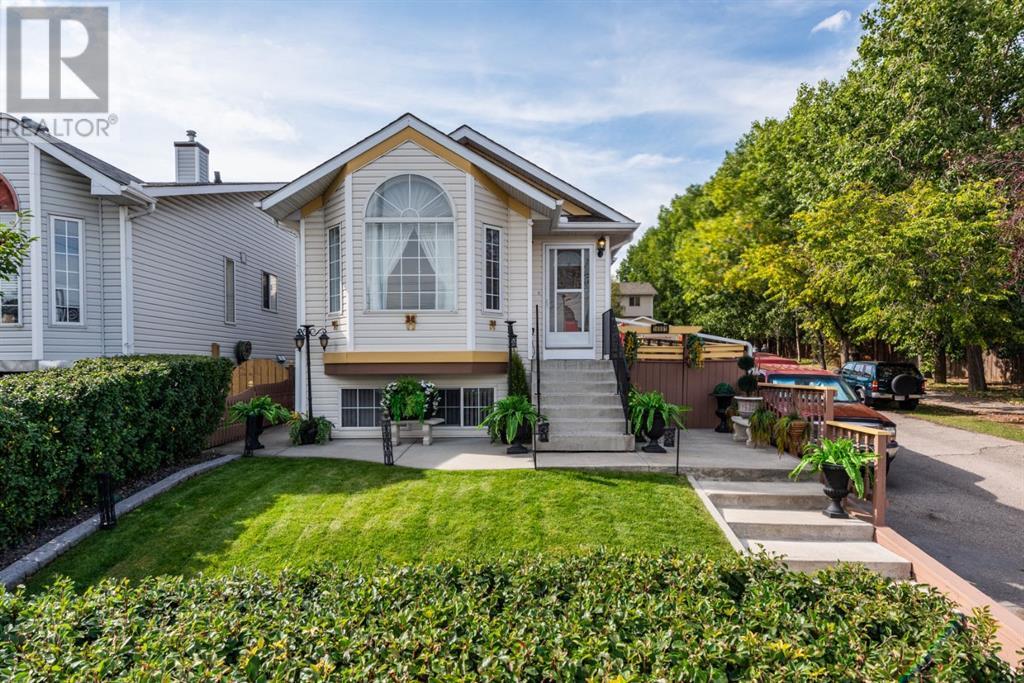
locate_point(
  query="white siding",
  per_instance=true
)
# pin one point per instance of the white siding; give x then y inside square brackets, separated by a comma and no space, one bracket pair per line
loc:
[178,276]
[16,340]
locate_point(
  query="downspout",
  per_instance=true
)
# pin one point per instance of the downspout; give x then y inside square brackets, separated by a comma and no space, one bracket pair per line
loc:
[127,274]
[103,280]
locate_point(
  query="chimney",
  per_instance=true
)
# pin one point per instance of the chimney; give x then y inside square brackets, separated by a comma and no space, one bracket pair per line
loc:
[191,160]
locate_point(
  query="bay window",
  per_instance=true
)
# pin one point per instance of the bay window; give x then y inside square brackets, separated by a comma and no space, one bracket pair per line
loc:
[410,247]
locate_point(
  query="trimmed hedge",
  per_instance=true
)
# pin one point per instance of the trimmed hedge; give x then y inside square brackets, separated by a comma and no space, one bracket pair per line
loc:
[598,617]
[128,416]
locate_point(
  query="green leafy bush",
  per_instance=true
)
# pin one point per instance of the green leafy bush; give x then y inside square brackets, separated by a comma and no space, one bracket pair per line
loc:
[127,416]
[408,398]
[645,405]
[723,389]
[298,423]
[517,384]
[594,617]
[262,406]
[507,416]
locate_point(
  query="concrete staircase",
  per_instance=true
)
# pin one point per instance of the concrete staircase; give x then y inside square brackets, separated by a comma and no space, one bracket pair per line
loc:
[579,399]
[784,518]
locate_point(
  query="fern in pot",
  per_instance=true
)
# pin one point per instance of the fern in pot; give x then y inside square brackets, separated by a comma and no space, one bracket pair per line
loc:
[840,461]
[254,413]
[649,414]
[746,405]
[762,426]
[511,421]
[789,433]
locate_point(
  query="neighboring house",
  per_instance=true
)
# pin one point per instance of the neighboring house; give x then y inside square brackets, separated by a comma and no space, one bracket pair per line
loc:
[636,299]
[121,266]
[416,247]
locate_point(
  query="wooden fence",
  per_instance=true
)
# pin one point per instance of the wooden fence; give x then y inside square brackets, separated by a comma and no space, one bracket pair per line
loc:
[686,386]
[281,391]
[814,404]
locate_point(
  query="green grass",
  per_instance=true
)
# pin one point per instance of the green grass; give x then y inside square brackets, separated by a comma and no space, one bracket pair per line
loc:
[271,513]
[968,421]
[1011,393]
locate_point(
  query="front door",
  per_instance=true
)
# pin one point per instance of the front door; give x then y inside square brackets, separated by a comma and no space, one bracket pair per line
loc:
[569,307]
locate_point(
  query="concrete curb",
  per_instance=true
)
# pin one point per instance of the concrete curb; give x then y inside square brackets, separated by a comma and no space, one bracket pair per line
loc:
[18,571]
[727,531]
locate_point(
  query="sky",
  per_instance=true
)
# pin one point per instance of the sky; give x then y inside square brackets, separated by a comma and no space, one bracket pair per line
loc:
[631,102]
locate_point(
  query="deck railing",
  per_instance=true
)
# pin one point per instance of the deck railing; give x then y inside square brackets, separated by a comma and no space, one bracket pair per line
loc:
[874,441]
[814,404]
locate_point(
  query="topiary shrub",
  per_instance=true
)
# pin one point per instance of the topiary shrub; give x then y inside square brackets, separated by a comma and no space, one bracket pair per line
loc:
[747,384]
[127,416]
[517,384]
[746,363]
[597,617]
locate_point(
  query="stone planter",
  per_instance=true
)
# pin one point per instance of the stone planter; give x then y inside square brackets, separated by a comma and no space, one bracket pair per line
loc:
[524,435]
[656,432]
[723,402]
[796,436]
[746,405]
[837,486]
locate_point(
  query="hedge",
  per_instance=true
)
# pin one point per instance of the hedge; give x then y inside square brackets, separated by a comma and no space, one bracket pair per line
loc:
[596,617]
[127,416]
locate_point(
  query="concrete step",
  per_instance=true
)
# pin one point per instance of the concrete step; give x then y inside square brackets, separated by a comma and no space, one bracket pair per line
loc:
[579,364]
[790,495]
[803,556]
[557,410]
[795,525]
[590,373]
[579,399]
[578,386]
[589,443]
[588,426]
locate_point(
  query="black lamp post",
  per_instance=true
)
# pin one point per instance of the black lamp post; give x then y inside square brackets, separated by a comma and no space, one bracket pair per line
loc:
[513,339]
[302,335]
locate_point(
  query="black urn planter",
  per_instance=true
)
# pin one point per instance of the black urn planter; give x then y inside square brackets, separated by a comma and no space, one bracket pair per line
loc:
[307,433]
[253,429]
[837,486]
[652,435]
[724,401]
[522,436]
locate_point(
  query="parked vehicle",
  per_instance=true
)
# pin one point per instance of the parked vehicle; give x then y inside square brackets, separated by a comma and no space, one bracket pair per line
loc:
[847,406]
[875,381]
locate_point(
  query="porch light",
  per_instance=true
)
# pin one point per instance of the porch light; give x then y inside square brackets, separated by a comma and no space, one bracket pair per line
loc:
[324,340]
[601,244]
[300,339]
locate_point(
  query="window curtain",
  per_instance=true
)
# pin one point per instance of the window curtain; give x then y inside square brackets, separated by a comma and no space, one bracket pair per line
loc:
[385,252]
[440,257]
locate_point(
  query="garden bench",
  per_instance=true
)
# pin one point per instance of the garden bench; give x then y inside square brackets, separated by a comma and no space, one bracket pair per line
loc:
[426,429]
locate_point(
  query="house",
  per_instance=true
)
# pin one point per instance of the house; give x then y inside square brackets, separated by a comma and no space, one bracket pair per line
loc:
[122,266]
[417,248]
[636,299]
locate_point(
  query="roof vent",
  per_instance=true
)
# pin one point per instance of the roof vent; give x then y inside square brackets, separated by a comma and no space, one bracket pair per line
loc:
[191,160]
[38,127]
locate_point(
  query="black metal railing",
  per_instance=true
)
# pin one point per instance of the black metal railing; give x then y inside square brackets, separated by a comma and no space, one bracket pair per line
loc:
[612,347]
[535,367]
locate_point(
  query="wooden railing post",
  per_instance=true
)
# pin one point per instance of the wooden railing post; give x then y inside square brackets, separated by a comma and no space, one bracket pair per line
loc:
[830,395]
[878,499]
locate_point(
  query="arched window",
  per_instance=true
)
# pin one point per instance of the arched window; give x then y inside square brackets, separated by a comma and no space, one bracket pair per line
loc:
[410,246]
[8,197]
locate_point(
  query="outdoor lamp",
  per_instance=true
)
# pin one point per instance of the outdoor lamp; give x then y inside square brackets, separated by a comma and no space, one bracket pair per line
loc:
[324,339]
[300,339]
[601,244]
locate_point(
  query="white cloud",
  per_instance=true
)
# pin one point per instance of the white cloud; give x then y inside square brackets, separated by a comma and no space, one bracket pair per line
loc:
[834,23]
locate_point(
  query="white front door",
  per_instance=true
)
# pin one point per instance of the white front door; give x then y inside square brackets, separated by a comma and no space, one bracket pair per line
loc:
[569,304]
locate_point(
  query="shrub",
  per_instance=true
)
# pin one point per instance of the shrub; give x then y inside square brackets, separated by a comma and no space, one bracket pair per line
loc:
[593,617]
[127,416]
[517,384]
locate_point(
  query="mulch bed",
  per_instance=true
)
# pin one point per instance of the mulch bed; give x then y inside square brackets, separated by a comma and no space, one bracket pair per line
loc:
[58,525]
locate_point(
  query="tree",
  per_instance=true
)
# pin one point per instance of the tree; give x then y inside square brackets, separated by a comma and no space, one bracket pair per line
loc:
[14,246]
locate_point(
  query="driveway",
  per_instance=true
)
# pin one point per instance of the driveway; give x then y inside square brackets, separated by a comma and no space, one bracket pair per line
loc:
[960,497]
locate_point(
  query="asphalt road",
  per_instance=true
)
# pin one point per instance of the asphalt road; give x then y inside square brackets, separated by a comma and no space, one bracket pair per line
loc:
[959,496]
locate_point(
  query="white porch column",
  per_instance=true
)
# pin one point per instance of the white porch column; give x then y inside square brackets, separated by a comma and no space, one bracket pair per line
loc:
[36,251]
[300,315]
[470,262]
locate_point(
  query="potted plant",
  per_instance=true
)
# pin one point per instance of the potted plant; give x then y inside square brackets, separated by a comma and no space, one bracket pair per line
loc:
[789,433]
[746,405]
[253,412]
[839,461]
[408,398]
[511,421]
[303,431]
[762,425]
[723,394]
[649,414]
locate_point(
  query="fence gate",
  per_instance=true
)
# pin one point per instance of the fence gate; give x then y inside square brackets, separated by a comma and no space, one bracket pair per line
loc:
[256,377]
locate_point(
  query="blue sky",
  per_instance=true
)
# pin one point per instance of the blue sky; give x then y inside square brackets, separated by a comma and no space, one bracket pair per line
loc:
[630,101]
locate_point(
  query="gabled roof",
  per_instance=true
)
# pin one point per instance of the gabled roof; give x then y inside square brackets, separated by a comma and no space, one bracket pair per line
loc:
[312,184]
[597,210]
[181,189]
[636,288]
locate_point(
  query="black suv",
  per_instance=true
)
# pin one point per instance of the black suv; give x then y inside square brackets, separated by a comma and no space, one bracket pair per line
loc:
[874,381]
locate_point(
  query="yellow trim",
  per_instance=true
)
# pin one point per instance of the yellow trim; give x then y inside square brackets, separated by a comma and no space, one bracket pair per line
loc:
[573,209]
[312,205]
[334,357]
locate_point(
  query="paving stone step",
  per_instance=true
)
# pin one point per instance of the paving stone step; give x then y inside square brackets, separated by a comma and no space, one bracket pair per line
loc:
[590,443]
[795,525]
[790,495]
[804,556]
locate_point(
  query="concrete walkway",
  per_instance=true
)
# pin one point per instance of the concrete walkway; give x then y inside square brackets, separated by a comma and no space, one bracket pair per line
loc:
[702,453]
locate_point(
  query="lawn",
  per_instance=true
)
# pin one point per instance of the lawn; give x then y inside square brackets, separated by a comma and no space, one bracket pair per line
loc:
[269,513]
[968,421]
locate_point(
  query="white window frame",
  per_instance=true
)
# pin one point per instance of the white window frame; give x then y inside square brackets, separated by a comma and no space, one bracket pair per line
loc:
[341,407]
[634,301]
[332,310]
[234,290]
[81,272]
[265,277]
[501,264]
[21,309]
[367,307]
